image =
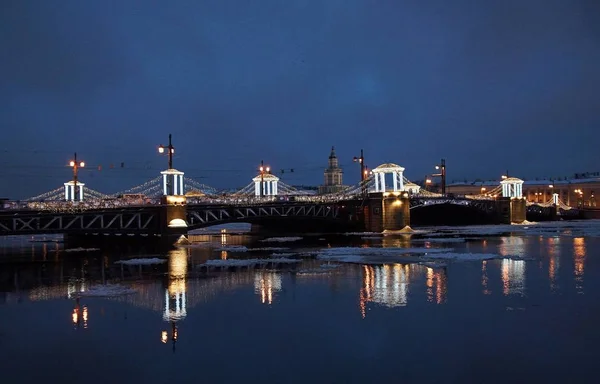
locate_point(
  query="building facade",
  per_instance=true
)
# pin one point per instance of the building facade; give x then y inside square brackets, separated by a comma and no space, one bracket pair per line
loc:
[333,176]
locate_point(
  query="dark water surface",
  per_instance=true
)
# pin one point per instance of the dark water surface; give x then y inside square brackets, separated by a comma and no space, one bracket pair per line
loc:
[530,315]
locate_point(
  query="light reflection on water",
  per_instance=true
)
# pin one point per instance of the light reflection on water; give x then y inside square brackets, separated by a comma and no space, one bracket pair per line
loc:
[177,295]
[579,253]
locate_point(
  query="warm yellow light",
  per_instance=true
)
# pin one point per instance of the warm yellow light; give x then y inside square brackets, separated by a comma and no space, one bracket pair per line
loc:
[428,181]
[268,169]
[163,337]
[504,177]
[161,149]
[261,169]
[550,186]
[72,163]
[172,150]
[82,164]
[85,314]
[437,167]
[74,316]
[482,189]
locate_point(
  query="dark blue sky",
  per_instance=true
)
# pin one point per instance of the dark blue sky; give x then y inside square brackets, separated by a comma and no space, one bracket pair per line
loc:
[488,85]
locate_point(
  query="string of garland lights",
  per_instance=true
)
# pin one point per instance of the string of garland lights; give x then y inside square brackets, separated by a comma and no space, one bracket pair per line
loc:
[193,184]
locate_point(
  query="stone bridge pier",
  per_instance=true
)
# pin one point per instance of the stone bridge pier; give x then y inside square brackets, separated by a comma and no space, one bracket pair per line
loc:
[173,214]
[387,211]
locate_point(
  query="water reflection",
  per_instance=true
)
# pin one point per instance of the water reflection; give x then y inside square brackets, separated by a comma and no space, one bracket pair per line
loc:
[513,277]
[176,292]
[484,278]
[579,253]
[265,284]
[512,246]
[553,251]
[436,285]
[79,315]
[386,285]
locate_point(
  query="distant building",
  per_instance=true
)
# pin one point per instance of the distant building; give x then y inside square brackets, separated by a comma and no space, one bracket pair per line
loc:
[333,176]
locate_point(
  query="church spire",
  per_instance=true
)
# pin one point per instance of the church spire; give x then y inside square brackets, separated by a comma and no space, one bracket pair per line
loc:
[332,154]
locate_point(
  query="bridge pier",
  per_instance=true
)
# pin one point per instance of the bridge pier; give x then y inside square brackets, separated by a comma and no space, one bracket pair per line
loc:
[387,211]
[173,216]
[512,209]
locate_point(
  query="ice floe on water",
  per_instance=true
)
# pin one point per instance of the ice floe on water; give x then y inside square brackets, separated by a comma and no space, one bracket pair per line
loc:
[150,261]
[232,248]
[281,239]
[440,240]
[323,269]
[283,254]
[268,249]
[247,262]
[108,290]
[377,256]
[79,249]
[462,256]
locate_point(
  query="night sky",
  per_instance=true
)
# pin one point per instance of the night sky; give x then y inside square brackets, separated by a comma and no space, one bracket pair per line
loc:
[488,85]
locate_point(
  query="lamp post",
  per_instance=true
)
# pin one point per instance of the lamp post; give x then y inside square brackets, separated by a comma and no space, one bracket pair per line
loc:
[170,150]
[262,169]
[75,165]
[363,173]
[361,160]
[442,168]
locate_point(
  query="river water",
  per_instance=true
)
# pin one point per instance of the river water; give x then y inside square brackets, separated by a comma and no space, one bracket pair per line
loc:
[486,304]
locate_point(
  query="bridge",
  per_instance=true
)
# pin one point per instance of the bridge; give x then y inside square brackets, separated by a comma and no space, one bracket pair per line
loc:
[384,200]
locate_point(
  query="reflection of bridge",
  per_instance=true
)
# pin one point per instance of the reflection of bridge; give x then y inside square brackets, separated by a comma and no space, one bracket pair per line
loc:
[154,208]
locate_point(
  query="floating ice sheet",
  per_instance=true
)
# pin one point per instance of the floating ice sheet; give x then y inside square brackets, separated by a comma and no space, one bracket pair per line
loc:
[108,290]
[281,239]
[149,261]
[247,262]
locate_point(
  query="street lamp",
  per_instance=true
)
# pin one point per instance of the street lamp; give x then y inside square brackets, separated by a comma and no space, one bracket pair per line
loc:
[483,189]
[170,151]
[263,169]
[75,165]
[361,160]
[442,168]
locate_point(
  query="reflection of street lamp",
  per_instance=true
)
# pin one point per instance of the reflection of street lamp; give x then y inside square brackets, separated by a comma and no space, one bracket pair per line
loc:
[164,336]
[442,168]
[262,169]
[76,165]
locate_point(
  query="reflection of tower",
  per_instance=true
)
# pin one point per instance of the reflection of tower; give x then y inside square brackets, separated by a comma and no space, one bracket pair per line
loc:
[513,277]
[579,252]
[175,294]
[436,285]
[384,284]
[265,284]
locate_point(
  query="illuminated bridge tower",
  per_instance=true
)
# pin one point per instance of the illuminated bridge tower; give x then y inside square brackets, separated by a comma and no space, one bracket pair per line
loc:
[265,184]
[513,206]
[71,189]
[388,206]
